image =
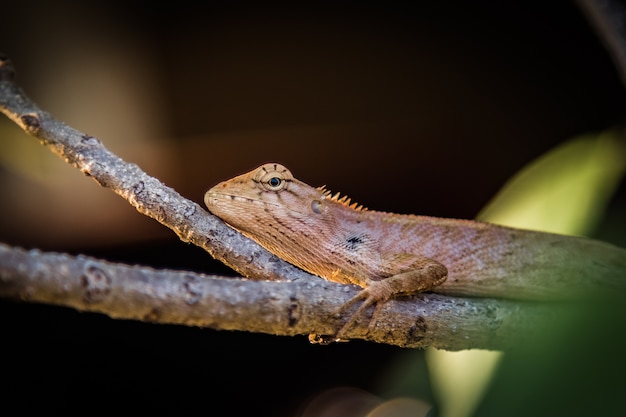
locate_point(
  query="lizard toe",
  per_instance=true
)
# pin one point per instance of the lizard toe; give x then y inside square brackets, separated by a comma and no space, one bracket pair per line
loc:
[376,294]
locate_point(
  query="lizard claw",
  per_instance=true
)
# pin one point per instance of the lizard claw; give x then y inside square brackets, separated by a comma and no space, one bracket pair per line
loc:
[376,294]
[426,275]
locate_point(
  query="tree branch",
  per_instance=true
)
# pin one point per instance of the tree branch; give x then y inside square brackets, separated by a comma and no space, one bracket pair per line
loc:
[284,308]
[299,304]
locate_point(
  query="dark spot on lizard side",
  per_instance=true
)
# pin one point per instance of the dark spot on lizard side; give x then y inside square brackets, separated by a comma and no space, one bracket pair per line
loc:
[354,242]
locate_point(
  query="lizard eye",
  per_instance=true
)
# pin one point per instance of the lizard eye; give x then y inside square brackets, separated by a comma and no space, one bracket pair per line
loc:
[275,182]
[273,177]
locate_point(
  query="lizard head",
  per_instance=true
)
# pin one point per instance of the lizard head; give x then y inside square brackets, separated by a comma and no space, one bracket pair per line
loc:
[270,206]
[263,195]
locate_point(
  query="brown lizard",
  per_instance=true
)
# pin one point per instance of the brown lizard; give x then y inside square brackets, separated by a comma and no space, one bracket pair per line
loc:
[391,254]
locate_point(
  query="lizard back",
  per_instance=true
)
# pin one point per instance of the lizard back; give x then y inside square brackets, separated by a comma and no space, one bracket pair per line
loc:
[331,237]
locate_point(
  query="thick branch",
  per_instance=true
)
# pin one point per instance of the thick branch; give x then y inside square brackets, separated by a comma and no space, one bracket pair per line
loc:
[284,308]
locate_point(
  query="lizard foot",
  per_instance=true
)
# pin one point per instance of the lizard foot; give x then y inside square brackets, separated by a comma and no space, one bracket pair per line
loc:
[376,294]
[424,275]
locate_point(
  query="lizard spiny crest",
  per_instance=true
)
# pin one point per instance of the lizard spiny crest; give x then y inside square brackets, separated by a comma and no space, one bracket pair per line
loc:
[343,200]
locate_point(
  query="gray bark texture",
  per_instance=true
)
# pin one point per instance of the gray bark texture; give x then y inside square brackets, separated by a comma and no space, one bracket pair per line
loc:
[301,306]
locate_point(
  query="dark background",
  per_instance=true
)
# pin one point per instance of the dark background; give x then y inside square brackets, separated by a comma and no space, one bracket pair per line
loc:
[423,108]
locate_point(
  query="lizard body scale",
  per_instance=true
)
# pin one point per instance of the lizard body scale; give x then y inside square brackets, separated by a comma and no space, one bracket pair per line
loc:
[391,254]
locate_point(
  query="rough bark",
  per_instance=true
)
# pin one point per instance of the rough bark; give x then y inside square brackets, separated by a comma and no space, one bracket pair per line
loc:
[302,306]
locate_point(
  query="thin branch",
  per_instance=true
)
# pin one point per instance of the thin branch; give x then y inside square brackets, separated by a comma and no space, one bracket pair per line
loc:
[282,308]
[608,18]
[147,194]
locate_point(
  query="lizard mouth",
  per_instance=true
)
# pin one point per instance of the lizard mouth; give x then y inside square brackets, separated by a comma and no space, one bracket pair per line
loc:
[213,199]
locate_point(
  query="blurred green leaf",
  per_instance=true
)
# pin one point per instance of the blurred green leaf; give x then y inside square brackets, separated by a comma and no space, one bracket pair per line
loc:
[566,190]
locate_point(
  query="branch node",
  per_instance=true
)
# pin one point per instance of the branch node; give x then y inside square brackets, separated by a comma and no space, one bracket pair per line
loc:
[96,284]
[193,290]
[190,211]
[418,330]
[88,140]
[31,123]
[139,187]
[294,310]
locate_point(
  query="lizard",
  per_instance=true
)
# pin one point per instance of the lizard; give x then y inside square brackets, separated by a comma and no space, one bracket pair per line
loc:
[390,254]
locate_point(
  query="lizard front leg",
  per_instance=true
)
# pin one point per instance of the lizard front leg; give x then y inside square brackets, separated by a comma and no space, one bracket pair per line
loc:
[423,274]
